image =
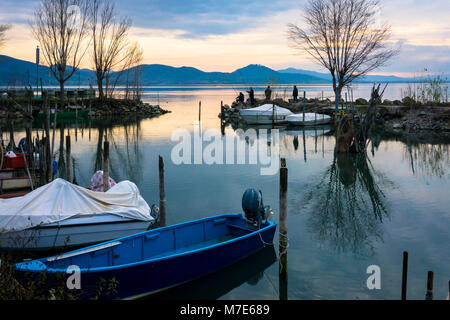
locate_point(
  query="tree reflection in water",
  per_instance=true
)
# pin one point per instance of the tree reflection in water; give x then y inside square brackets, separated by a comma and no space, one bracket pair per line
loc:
[349,205]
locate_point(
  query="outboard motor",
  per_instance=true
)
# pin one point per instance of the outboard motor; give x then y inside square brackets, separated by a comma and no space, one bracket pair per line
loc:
[154,212]
[253,206]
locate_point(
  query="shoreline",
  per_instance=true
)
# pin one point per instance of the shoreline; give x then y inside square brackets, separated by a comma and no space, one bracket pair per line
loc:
[395,118]
[11,110]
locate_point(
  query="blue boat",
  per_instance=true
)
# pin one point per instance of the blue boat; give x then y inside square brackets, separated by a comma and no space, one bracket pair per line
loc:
[162,258]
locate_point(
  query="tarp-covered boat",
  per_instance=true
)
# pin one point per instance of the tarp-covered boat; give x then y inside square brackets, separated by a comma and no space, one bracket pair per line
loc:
[265,114]
[62,214]
[310,119]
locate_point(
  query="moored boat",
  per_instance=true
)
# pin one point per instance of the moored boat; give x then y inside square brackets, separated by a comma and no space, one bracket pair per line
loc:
[265,114]
[162,258]
[309,119]
[61,214]
[16,183]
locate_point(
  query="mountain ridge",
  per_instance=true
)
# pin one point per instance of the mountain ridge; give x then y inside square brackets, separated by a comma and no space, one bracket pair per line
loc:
[16,72]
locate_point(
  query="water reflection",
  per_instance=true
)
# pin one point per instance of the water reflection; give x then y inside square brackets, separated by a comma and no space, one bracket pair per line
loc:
[349,205]
[250,270]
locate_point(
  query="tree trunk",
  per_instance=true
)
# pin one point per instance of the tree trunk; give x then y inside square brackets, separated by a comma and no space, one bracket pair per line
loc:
[100,89]
[61,95]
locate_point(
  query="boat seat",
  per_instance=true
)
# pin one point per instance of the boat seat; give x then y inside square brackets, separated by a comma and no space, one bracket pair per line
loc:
[77,253]
[239,227]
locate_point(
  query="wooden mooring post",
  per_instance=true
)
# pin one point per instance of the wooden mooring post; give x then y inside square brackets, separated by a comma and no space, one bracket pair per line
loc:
[404,274]
[283,237]
[105,166]
[429,295]
[199,111]
[162,193]
[68,166]
[304,105]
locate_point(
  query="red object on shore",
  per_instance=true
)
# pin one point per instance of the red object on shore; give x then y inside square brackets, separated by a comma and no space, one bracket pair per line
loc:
[17,161]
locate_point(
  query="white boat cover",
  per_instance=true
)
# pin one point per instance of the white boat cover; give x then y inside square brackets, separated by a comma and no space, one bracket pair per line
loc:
[61,200]
[265,109]
[308,117]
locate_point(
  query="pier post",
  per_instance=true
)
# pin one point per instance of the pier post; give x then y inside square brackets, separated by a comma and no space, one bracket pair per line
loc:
[105,166]
[221,109]
[68,165]
[404,274]
[429,295]
[162,193]
[199,111]
[304,106]
[283,237]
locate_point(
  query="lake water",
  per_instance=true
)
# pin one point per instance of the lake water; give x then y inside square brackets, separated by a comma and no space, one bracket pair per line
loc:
[345,213]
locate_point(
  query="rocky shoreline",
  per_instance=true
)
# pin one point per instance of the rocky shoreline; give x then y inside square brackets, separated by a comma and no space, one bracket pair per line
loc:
[11,110]
[398,118]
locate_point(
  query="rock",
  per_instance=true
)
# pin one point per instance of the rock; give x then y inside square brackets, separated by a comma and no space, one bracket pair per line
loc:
[361,101]
[408,101]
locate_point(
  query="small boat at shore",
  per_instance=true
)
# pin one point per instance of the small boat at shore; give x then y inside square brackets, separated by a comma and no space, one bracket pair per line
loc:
[162,258]
[61,214]
[310,119]
[16,183]
[265,114]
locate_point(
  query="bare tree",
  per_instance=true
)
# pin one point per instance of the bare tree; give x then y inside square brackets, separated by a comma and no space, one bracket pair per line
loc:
[132,70]
[3,29]
[345,37]
[60,28]
[109,36]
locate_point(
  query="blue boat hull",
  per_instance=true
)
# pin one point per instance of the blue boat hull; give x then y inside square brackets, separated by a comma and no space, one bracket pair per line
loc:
[168,267]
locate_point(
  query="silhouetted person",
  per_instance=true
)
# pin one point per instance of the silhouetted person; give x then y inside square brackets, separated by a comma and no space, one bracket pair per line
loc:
[251,95]
[268,93]
[295,94]
[241,97]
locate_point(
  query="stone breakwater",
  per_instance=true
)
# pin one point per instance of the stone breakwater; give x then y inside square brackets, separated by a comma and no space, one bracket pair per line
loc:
[11,110]
[392,117]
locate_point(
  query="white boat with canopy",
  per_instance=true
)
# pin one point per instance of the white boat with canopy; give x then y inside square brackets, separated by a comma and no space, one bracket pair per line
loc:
[61,214]
[310,119]
[265,114]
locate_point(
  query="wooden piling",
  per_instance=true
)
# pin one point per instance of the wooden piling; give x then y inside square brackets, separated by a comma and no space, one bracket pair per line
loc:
[162,193]
[429,295]
[304,105]
[404,274]
[283,237]
[68,166]
[105,166]
[221,109]
[199,111]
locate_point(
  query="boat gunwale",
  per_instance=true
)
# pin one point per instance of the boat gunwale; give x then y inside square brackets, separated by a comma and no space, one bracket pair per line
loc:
[140,262]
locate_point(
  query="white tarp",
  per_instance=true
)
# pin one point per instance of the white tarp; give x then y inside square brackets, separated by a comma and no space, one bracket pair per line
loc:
[308,117]
[60,200]
[265,109]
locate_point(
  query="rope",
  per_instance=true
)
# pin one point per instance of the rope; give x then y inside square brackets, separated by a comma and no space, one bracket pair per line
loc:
[2,156]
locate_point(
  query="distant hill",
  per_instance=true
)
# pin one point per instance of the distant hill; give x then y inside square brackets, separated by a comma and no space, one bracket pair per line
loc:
[15,72]
[156,74]
[326,76]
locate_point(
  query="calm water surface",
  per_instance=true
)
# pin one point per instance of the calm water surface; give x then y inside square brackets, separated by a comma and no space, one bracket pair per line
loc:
[344,213]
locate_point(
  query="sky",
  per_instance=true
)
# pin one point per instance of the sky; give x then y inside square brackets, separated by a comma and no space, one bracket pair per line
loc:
[224,35]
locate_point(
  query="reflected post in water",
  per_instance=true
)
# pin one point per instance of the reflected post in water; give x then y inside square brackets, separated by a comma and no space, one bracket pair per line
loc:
[283,243]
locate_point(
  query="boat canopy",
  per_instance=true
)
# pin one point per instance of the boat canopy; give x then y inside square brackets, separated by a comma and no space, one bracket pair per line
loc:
[61,200]
[308,117]
[265,109]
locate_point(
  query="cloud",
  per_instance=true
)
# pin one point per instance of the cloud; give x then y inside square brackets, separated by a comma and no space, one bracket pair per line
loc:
[202,18]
